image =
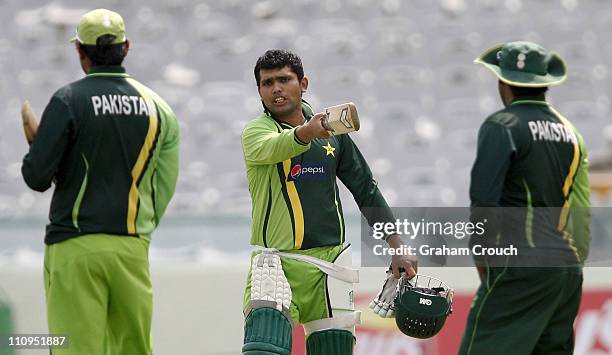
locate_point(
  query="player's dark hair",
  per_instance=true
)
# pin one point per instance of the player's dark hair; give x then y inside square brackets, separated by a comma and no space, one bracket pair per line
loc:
[522,91]
[278,59]
[104,52]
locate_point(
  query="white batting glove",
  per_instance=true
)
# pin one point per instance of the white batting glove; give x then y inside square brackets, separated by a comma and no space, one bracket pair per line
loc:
[383,303]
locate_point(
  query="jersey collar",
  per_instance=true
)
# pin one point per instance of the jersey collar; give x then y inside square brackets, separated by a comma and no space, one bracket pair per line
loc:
[108,70]
[530,100]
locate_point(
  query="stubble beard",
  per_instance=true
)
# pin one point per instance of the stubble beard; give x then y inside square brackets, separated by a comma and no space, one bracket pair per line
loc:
[283,112]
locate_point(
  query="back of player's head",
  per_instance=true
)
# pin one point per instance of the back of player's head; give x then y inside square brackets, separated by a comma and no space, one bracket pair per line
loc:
[105,53]
[278,59]
[519,91]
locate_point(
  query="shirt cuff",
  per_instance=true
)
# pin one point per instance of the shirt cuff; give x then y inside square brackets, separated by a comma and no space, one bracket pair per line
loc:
[297,140]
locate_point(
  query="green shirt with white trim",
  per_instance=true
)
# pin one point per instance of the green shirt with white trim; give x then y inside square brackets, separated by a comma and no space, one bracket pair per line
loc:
[111,145]
[295,199]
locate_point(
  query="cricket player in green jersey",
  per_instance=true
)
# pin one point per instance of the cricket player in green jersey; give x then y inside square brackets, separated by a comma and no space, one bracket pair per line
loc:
[292,164]
[111,146]
[532,160]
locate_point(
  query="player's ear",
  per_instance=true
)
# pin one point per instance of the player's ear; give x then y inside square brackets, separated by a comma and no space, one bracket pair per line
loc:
[80,51]
[304,84]
[506,94]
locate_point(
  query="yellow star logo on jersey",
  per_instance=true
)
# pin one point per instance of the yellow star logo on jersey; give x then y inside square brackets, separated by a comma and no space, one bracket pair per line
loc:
[329,150]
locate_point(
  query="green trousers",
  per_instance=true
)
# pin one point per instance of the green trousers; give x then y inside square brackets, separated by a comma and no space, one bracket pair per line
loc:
[524,311]
[6,323]
[99,294]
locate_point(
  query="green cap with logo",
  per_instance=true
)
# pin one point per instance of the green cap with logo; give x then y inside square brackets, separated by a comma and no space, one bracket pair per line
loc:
[524,64]
[97,23]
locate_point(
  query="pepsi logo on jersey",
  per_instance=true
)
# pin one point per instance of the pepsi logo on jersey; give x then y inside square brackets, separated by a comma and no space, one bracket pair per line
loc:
[308,171]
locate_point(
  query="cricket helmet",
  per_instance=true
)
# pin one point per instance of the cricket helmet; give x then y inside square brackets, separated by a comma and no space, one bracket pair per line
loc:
[422,305]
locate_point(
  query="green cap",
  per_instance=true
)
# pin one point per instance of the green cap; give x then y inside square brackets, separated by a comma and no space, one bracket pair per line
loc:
[97,23]
[524,64]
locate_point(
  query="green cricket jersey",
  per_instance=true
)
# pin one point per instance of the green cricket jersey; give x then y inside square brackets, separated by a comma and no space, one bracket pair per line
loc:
[295,200]
[111,145]
[530,156]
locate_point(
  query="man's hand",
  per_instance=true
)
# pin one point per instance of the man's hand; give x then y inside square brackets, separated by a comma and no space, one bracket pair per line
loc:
[30,123]
[401,263]
[313,129]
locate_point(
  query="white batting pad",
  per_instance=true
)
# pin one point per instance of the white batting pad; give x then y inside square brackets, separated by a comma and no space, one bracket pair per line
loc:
[268,281]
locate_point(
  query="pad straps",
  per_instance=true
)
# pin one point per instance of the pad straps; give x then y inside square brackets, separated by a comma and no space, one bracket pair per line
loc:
[338,321]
